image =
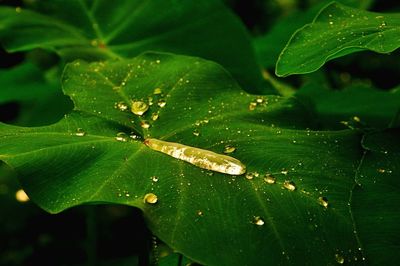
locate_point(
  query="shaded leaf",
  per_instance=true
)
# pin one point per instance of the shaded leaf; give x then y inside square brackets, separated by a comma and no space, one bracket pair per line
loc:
[198,212]
[96,30]
[373,107]
[375,202]
[23,82]
[336,31]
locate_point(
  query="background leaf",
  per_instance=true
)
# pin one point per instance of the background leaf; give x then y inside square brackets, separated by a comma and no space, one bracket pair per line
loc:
[373,107]
[95,30]
[337,31]
[375,201]
[246,219]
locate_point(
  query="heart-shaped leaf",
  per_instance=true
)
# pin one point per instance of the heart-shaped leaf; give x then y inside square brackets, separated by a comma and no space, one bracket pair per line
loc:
[291,203]
[336,31]
[94,30]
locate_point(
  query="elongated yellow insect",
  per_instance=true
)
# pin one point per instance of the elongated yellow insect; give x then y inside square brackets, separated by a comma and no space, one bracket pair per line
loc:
[201,158]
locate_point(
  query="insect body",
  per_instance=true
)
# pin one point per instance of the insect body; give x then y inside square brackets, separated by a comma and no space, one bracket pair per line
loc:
[201,158]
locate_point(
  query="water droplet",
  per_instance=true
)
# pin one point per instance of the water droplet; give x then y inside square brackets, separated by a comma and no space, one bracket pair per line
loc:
[150,198]
[121,136]
[80,132]
[356,119]
[21,196]
[284,172]
[252,106]
[154,116]
[134,136]
[339,258]
[157,91]
[289,185]
[139,107]
[259,100]
[196,132]
[330,22]
[154,178]
[199,157]
[323,201]
[251,175]
[18,9]
[200,213]
[158,61]
[229,149]
[257,220]
[144,124]
[270,179]
[161,103]
[121,106]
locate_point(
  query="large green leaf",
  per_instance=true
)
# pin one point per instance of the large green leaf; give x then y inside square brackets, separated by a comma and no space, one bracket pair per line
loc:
[210,217]
[336,31]
[368,106]
[375,202]
[269,45]
[105,29]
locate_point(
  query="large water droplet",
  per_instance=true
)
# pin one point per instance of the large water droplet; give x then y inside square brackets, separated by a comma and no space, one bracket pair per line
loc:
[150,198]
[139,107]
[229,149]
[339,258]
[323,201]
[289,185]
[257,220]
[80,132]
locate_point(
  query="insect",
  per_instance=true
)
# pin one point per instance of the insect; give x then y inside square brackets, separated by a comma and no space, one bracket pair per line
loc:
[201,158]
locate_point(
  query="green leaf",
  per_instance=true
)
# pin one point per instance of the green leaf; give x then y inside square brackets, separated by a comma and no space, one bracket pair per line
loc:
[210,217]
[336,31]
[375,202]
[23,82]
[268,46]
[373,107]
[96,30]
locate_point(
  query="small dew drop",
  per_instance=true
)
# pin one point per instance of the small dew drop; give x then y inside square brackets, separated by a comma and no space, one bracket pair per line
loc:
[121,106]
[356,119]
[139,107]
[284,172]
[154,116]
[144,124]
[252,106]
[269,179]
[259,100]
[80,132]
[323,201]
[229,149]
[200,213]
[330,22]
[18,9]
[161,103]
[21,196]
[157,91]
[154,178]
[257,220]
[121,136]
[339,258]
[251,175]
[196,132]
[150,198]
[289,185]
